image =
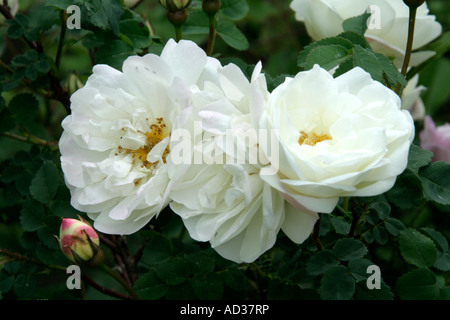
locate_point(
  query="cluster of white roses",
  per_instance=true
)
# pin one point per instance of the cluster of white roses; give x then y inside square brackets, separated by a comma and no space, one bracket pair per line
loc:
[329,138]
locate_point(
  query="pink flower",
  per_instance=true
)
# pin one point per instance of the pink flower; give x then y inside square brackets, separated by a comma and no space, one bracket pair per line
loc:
[78,241]
[436,140]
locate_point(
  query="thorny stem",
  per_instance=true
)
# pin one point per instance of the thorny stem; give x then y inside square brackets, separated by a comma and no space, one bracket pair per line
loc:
[119,279]
[409,44]
[104,290]
[31,139]
[17,256]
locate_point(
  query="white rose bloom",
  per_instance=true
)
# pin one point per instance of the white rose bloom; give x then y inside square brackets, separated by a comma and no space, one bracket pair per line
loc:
[344,136]
[115,143]
[388,26]
[227,203]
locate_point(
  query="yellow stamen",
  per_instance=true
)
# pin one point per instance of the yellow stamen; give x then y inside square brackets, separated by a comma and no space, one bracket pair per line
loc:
[156,134]
[312,139]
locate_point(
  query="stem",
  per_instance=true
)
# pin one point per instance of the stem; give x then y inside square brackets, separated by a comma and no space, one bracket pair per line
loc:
[119,279]
[409,44]
[212,36]
[61,39]
[345,204]
[30,139]
[103,289]
[178,33]
[316,233]
[355,220]
[17,256]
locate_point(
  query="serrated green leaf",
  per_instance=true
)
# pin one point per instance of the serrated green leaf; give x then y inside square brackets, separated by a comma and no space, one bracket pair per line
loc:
[234,9]
[358,267]
[339,41]
[419,284]
[390,70]
[321,262]
[197,23]
[356,24]
[443,262]
[349,249]
[416,248]
[150,287]
[355,38]
[337,284]
[436,184]
[157,249]
[234,278]
[383,209]
[207,286]
[367,60]
[418,157]
[24,108]
[114,53]
[183,291]
[136,32]
[327,56]
[380,235]
[24,285]
[45,183]
[32,216]
[232,35]
[437,237]
[105,14]
[340,225]
[17,26]
[364,293]
[407,191]
[173,272]
[60,4]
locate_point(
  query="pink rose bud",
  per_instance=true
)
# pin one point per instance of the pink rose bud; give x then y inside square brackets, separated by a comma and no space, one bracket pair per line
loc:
[436,140]
[79,242]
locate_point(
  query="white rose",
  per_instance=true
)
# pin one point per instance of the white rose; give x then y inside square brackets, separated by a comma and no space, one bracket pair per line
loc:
[227,203]
[344,136]
[114,146]
[388,26]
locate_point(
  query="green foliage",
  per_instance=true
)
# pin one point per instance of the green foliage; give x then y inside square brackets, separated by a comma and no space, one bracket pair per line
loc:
[404,232]
[349,50]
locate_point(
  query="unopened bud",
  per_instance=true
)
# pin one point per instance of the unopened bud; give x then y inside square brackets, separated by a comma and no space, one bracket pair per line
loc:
[79,242]
[175,5]
[211,7]
[414,3]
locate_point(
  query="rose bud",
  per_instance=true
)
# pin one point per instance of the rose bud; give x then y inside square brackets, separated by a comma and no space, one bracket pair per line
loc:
[414,3]
[79,242]
[174,5]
